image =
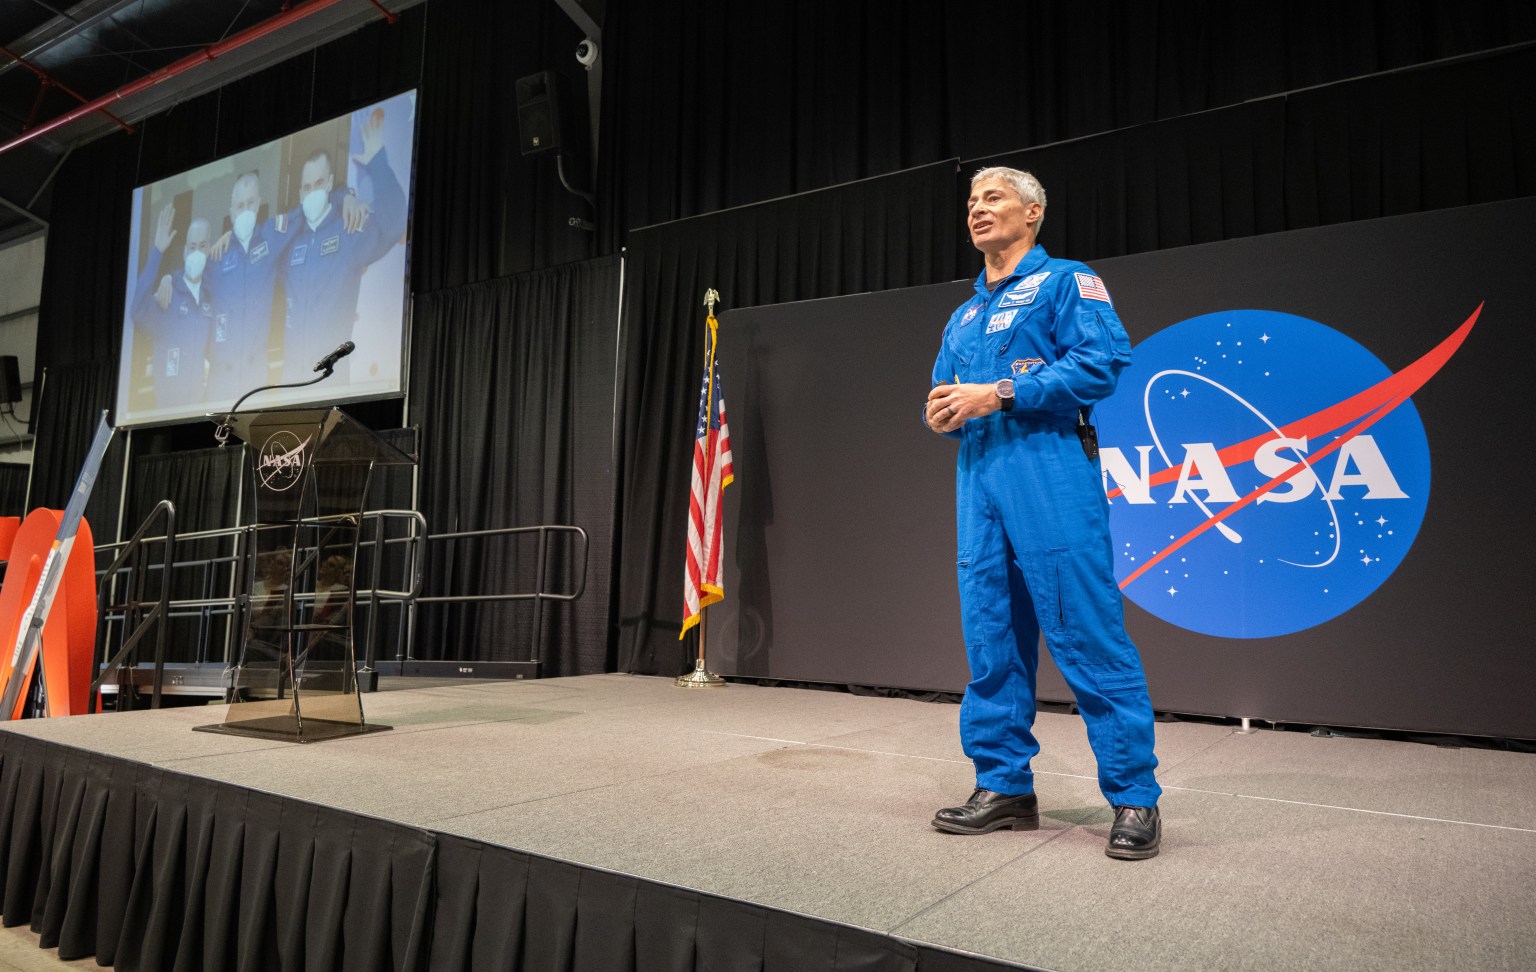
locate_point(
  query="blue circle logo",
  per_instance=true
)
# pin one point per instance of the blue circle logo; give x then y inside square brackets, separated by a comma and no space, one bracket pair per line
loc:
[1266,473]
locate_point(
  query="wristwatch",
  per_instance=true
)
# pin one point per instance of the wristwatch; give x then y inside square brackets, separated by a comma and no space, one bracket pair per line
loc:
[1005,394]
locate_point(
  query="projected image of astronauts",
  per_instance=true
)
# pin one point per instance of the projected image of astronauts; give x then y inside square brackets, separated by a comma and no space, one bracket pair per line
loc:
[248,270]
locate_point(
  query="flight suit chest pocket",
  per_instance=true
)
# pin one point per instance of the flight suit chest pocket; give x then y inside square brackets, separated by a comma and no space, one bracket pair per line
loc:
[958,343]
[1022,320]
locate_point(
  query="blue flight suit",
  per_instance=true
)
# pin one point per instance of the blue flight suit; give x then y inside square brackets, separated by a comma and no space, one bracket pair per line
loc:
[324,272]
[246,281]
[179,335]
[1034,543]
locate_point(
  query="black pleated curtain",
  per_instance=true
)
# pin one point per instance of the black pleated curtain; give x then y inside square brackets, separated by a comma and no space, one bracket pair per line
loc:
[1456,134]
[482,208]
[13,488]
[203,485]
[896,231]
[513,387]
[69,409]
[146,868]
[715,105]
[1450,135]
[1188,180]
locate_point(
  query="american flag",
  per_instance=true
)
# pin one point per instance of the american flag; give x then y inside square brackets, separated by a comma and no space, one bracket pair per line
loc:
[712,472]
[1091,287]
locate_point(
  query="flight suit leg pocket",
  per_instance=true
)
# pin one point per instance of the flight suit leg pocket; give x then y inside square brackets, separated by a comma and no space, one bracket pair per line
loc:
[1049,588]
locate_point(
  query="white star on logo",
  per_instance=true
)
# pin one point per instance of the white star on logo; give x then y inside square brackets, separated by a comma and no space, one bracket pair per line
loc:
[1185,393]
[1172,591]
[1381,521]
[1366,559]
[1264,338]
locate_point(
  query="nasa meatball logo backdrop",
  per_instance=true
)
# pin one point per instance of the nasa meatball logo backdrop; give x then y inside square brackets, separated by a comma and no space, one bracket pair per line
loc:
[1265,460]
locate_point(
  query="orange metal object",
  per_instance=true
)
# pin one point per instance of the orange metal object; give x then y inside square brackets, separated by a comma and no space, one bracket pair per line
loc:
[69,634]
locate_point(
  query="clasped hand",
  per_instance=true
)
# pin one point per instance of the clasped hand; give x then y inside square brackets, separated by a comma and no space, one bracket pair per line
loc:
[950,406]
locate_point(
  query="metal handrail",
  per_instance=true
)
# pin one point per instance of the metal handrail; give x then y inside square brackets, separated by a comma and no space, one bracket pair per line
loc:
[543,530]
[157,615]
[375,596]
[234,559]
[538,596]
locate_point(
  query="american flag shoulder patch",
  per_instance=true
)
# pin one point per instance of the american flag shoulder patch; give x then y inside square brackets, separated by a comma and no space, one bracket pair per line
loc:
[1091,287]
[280,222]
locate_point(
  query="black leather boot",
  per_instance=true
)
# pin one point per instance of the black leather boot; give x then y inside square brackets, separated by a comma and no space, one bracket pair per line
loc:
[1136,833]
[986,811]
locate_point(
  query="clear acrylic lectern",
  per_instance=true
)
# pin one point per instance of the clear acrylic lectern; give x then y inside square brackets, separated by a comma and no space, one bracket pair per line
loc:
[296,678]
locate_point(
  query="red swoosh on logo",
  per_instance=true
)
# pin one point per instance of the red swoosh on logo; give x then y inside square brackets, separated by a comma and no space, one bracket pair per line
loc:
[1374,403]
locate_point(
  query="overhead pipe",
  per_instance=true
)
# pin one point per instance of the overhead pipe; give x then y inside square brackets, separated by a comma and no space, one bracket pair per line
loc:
[268,26]
[389,18]
[46,81]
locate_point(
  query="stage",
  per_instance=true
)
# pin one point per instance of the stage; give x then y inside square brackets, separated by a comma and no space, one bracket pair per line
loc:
[614,821]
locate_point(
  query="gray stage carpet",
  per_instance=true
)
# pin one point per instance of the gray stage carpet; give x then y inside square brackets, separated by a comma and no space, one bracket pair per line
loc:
[1281,850]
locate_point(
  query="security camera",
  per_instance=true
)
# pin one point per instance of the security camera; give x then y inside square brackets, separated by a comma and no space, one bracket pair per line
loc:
[586,53]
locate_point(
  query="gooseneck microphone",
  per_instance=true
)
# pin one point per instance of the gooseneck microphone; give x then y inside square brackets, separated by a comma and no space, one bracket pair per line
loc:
[329,361]
[325,366]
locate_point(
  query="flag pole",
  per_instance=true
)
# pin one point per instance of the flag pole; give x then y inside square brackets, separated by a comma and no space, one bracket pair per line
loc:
[701,676]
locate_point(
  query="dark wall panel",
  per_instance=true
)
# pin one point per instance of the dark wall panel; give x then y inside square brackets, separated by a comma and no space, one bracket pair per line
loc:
[840,522]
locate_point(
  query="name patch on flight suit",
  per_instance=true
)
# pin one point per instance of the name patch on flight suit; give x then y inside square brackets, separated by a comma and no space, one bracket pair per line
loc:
[260,251]
[1025,291]
[297,260]
[329,246]
[1001,321]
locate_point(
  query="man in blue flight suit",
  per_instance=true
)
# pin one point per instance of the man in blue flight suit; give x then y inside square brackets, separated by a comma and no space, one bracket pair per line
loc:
[245,269]
[179,324]
[1021,363]
[325,264]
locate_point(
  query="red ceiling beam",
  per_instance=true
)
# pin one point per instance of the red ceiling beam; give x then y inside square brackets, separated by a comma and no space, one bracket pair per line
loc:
[46,81]
[212,52]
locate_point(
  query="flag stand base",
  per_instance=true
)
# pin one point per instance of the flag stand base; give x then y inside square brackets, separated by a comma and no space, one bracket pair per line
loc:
[700,678]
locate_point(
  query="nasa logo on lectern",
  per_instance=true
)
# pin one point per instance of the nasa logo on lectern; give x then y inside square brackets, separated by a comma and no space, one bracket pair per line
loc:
[1266,473]
[282,461]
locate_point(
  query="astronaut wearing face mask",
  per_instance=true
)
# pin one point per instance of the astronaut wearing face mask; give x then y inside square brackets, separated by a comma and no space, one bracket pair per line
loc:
[245,272]
[180,325]
[324,267]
